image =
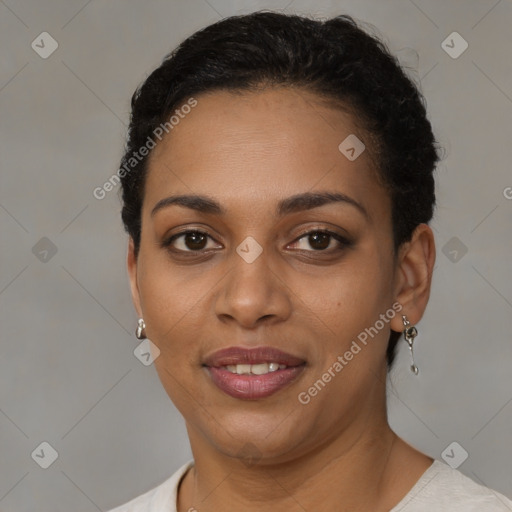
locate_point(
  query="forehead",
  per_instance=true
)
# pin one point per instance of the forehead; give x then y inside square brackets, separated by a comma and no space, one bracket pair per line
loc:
[253,147]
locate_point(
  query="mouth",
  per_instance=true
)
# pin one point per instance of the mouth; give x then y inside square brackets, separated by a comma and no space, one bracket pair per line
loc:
[252,374]
[254,369]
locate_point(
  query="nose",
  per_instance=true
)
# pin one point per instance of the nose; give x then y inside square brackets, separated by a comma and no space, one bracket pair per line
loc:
[253,294]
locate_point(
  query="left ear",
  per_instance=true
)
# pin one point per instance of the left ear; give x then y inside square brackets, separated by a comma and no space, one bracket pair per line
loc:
[414,275]
[131,264]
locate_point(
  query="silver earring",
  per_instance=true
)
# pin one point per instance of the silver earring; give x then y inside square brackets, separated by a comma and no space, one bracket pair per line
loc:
[140,332]
[410,332]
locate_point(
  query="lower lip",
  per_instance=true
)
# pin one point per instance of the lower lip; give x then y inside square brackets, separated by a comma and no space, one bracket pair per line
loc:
[251,387]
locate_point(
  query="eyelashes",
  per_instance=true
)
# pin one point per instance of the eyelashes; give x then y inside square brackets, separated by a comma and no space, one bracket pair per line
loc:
[195,236]
[319,238]
[197,242]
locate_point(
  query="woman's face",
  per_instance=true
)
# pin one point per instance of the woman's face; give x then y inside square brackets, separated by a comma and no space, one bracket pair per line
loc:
[255,278]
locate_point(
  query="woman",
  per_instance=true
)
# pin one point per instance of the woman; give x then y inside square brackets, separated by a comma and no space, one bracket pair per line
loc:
[277,189]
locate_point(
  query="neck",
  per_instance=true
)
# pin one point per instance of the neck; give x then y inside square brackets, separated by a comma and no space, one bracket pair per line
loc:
[364,472]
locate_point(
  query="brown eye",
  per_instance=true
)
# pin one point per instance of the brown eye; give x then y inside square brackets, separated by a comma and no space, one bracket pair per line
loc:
[188,241]
[320,241]
[195,240]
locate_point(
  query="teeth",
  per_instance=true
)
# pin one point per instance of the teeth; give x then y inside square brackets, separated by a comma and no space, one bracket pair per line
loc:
[254,369]
[243,368]
[260,369]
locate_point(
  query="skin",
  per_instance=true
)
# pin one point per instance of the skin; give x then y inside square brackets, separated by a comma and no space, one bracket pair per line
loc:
[247,152]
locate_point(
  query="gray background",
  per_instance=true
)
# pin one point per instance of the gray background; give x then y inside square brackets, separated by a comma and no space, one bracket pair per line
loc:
[68,375]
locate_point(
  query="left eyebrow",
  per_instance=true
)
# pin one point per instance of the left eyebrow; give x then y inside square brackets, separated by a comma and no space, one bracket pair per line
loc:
[309,200]
[296,203]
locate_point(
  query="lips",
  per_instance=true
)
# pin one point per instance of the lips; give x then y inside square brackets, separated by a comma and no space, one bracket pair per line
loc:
[249,386]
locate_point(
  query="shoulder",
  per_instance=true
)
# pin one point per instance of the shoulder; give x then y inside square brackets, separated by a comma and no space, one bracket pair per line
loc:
[159,499]
[442,488]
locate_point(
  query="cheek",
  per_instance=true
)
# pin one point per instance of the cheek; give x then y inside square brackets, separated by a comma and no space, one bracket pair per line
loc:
[353,291]
[172,305]
[345,305]
[171,296]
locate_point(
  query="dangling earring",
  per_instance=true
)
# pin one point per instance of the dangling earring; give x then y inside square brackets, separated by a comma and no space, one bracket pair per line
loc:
[140,332]
[410,332]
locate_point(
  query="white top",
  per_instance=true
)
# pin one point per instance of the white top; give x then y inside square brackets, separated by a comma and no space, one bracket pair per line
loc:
[440,489]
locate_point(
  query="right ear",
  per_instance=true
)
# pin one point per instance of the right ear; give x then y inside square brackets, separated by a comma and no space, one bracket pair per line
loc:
[131,263]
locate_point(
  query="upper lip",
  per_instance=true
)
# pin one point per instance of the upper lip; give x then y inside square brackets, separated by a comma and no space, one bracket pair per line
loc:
[242,355]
